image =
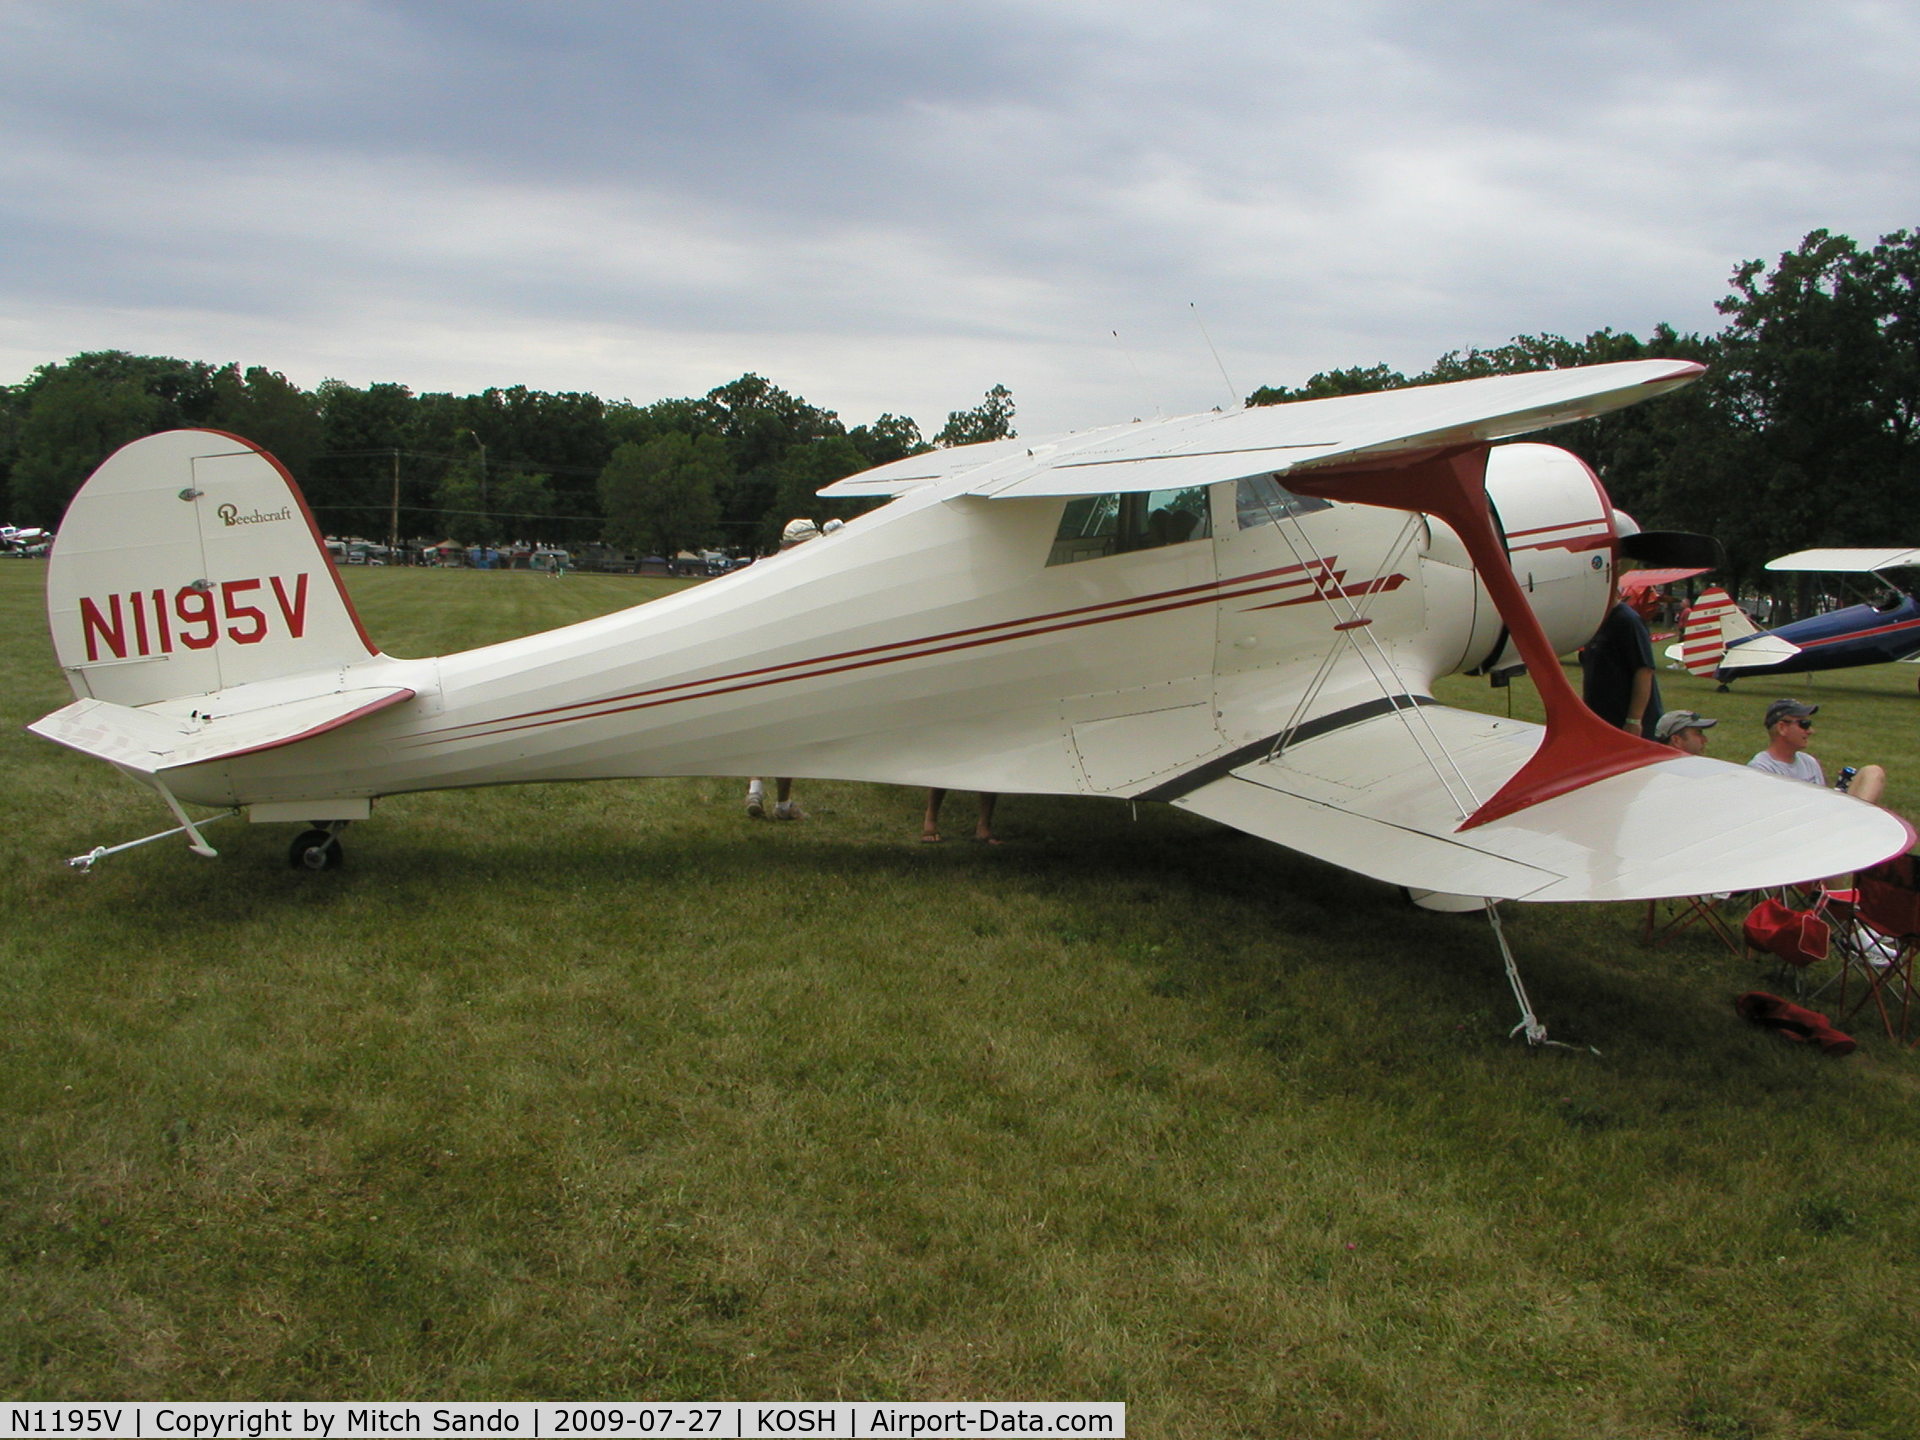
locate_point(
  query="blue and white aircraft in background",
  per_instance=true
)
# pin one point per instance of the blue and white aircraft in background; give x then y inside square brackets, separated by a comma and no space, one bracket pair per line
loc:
[1717,638]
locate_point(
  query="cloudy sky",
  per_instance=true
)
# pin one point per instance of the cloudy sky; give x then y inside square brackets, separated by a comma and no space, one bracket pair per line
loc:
[891,207]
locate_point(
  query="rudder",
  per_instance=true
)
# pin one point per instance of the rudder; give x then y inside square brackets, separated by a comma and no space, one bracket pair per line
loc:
[1706,628]
[189,563]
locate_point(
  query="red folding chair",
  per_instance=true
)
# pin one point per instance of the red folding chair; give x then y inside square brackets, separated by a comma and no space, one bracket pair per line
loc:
[1879,948]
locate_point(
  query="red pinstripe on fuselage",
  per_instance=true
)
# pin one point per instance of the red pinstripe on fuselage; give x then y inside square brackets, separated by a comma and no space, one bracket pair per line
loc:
[1317,578]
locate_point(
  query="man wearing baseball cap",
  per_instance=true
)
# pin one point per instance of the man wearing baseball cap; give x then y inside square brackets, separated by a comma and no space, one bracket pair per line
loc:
[1789,732]
[1684,730]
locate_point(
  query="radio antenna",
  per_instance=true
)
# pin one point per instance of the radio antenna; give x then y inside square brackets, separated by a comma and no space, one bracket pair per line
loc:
[1134,366]
[1233,391]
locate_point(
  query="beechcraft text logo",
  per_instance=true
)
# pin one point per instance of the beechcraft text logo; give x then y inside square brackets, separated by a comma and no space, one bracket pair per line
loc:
[230,515]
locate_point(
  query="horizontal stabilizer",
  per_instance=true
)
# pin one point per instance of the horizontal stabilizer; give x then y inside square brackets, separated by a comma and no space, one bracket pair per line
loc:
[1368,797]
[150,739]
[1761,650]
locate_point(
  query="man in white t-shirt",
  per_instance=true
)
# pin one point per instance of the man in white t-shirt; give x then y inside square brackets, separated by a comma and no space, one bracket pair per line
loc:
[1789,732]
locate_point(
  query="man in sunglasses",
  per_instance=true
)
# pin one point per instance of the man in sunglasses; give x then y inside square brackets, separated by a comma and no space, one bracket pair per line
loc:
[1789,732]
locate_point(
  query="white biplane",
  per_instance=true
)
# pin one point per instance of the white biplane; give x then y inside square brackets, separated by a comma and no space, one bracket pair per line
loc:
[1239,613]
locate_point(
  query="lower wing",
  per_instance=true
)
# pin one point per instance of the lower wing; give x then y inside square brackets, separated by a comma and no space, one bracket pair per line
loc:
[1386,797]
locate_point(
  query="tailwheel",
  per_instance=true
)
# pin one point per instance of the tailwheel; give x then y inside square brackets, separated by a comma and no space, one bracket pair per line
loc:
[317,849]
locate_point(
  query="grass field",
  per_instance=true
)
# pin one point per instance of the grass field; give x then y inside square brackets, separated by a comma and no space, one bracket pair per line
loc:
[606,1091]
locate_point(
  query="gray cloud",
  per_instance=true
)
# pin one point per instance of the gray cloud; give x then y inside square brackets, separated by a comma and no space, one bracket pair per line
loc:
[889,207]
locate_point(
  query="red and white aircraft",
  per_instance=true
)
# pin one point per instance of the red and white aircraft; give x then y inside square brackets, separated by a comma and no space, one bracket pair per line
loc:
[1239,613]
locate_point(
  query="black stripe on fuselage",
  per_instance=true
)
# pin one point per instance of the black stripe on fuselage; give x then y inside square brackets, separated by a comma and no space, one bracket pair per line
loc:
[1211,770]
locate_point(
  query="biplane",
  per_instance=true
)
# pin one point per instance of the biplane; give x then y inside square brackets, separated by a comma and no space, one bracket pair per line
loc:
[1238,613]
[1882,625]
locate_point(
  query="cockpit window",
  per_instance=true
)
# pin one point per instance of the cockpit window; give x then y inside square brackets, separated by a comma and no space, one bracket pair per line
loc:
[1261,500]
[1093,526]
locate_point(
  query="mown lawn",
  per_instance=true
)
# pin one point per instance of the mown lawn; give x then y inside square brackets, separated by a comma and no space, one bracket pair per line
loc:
[606,1091]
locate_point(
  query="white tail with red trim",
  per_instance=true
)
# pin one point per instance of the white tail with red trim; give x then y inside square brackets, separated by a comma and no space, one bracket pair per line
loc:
[1712,624]
[188,564]
[1705,628]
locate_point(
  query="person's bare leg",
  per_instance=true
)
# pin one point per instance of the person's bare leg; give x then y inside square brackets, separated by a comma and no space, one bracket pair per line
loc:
[1870,784]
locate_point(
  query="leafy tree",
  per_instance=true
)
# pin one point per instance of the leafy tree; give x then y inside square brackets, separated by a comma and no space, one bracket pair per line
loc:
[72,422]
[890,438]
[64,419]
[1360,380]
[991,419]
[659,497]
[523,505]
[1819,393]
[805,470]
[263,406]
[759,423]
[183,390]
[367,449]
[637,424]
[1890,276]
[461,498]
[562,436]
[494,506]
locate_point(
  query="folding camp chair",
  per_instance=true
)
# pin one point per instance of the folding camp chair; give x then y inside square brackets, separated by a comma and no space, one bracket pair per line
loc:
[1683,913]
[1878,950]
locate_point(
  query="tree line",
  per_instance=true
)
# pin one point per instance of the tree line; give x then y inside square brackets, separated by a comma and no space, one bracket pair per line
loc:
[1802,433]
[728,468]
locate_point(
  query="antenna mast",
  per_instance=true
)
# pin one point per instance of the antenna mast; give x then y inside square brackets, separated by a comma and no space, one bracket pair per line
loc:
[1233,391]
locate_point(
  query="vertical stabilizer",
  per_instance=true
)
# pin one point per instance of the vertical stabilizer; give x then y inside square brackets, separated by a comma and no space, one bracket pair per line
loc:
[189,563]
[1709,625]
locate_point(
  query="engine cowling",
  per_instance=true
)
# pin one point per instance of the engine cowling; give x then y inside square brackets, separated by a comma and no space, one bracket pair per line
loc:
[1559,530]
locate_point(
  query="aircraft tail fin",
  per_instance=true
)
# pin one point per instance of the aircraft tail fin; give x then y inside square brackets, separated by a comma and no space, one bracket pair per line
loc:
[1707,627]
[189,563]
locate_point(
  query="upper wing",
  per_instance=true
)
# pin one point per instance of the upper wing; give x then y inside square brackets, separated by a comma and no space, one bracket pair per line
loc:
[1368,796]
[1202,449]
[1846,562]
[917,470]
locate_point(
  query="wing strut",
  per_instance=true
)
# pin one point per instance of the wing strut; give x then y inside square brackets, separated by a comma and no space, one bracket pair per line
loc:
[1355,627]
[1579,747]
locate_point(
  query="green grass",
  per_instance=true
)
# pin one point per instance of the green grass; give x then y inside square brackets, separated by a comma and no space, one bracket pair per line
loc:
[605,1090]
